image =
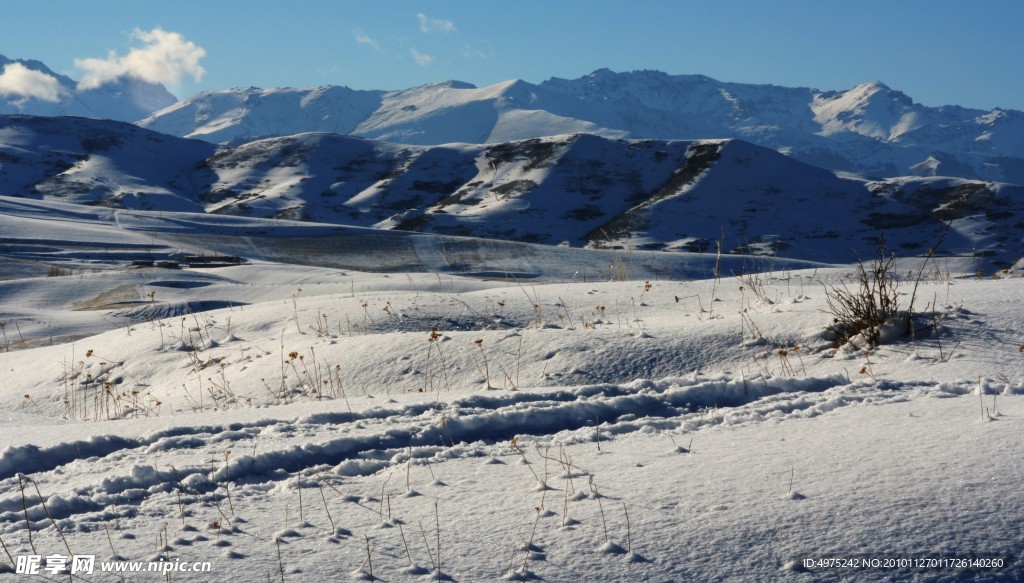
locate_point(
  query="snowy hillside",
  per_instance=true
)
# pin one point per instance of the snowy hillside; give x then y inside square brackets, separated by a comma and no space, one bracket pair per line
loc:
[869,129]
[97,162]
[579,190]
[124,98]
[404,425]
[244,114]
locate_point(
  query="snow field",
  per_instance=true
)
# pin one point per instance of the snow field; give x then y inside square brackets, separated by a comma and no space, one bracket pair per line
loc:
[723,509]
[699,441]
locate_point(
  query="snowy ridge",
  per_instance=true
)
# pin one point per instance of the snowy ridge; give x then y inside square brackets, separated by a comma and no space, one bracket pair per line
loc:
[227,116]
[578,190]
[870,128]
[97,162]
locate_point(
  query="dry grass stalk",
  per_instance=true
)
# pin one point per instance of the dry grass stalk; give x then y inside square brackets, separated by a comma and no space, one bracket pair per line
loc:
[298,480]
[227,481]
[437,516]
[629,538]
[529,545]
[327,510]
[514,444]
[369,555]
[981,398]
[13,562]
[601,506]
[280,562]
[24,505]
[48,515]
[444,423]
[407,551]
[486,373]
[380,512]
[430,554]
[113,553]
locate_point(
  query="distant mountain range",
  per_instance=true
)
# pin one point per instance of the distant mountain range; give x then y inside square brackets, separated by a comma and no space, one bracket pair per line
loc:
[124,98]
[869,129]
[577,190]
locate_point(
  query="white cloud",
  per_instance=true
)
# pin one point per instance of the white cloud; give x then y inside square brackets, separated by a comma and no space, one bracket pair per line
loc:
[421,59]
[165,58]
[18,80]
[428,24]
[471,53]
[363,39]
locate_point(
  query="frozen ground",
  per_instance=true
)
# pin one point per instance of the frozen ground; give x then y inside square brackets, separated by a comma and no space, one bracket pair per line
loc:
[733,461]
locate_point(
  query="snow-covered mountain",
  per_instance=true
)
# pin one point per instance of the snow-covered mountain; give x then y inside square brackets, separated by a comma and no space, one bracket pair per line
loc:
[244,114]
[578,190]
[98,162]
[870,128]
[33,89]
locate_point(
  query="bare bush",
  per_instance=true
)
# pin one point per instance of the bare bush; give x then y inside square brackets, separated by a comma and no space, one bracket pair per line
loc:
[864,306]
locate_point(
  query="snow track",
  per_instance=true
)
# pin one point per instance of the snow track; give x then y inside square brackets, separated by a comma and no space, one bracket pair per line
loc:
[380,437]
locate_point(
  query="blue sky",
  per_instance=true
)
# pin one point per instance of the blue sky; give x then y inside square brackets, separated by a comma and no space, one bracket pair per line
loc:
[938,52]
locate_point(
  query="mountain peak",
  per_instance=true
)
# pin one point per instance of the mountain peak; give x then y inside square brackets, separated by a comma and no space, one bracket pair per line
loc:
[869,90]
[873,86]
[452,84]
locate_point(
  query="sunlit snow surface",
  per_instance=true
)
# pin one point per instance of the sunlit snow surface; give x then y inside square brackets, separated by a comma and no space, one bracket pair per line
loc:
[889,454]
[732,460]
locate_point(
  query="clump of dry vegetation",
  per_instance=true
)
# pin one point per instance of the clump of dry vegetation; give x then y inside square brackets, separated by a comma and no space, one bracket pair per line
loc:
[863,308]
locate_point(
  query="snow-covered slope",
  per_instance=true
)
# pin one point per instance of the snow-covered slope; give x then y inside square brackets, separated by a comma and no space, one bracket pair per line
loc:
[98,162]
[869,129]
[125,98]
[242,114]
[579,190]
